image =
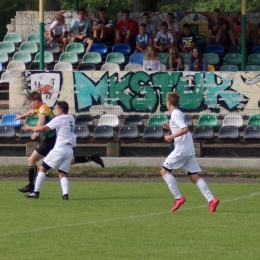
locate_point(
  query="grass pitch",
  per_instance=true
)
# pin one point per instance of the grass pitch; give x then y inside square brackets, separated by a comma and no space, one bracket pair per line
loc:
[129,220]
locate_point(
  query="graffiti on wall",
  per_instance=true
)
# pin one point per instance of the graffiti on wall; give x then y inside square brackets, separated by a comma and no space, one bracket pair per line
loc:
[143,92]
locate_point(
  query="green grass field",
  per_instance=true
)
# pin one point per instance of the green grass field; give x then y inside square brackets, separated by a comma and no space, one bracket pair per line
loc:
[129,220]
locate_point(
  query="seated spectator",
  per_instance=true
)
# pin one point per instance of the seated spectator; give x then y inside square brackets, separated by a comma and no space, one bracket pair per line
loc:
[127,29]
[142,39]
[79,29]
[236,30]
[173,27]
[197,61]
[57,31]
[150,25]
[187,40]
[217,29]
[164,40]
[103,27]
[151,60]
[175,62]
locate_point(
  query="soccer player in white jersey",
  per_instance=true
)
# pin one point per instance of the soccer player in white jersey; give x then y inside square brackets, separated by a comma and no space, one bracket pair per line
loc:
[60,156]
[183,156]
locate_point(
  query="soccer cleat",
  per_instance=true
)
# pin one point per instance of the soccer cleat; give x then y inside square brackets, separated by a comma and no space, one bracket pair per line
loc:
[65,197]
[213,205]
[27,188]
[32,195]
[96,158]
[178,203]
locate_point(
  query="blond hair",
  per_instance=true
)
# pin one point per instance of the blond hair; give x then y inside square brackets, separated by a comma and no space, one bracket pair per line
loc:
[153,56]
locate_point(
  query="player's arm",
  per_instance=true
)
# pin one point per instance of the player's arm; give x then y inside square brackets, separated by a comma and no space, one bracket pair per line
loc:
[181,132]
[29,113]
[36,128]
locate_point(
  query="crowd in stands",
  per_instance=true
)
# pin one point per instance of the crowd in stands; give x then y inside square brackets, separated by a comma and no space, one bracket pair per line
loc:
[149,38]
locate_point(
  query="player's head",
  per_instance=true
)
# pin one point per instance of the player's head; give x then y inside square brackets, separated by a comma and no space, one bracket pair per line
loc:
[172,100]
[164,27]
[186,29]
[62,107]
[81,13]
[34,99]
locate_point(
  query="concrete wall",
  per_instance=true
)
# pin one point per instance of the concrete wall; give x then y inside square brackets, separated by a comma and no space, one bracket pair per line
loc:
[141,92]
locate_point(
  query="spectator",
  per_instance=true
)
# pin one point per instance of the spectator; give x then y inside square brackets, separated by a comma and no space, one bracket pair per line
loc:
[187,40]
[151,60]
[127,29]
[164,40]
[150,25]
[79,29]
[103,27]
[217,29]
[236,30]
[142,39]
[57,31]
[173,27]
[197,61]
[175,62]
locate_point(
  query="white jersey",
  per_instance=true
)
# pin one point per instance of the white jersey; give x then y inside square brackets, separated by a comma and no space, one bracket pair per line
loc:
[183,145]
[58,30]
[64,125]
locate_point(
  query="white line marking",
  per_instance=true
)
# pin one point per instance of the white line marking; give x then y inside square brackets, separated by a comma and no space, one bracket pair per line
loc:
[123,218]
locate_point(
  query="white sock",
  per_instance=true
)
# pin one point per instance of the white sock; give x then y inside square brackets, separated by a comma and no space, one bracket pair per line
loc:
[172,184]
[64,182]
[39,181]
[202,185]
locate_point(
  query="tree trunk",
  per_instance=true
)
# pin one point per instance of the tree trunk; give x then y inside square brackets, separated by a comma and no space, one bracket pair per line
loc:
[52,5]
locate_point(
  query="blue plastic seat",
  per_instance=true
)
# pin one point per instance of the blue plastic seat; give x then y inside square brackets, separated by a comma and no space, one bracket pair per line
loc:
[7,131]
[215,48]
[256,49]
[137,58]
[98,47]
[122,48]
[9,120]
[1,67]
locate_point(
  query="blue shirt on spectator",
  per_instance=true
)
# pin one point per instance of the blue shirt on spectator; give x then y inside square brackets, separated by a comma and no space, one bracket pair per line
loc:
[143,40]
[204,65]
[81,26]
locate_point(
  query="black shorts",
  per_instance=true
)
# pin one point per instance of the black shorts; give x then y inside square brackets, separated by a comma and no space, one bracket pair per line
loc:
[46,146]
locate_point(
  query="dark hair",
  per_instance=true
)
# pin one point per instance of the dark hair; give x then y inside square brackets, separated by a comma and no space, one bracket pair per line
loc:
[63,105]
[164,24]
[237,22]
[173,98]
[125,12]
[145,14]
[200,56]
[102,9]
[170,14]
[142,25]
[34,96]
[216,10]
[186,25]
[81,9]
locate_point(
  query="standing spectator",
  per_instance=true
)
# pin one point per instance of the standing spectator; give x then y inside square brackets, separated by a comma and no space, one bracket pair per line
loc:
[57,31]
[217,29]
[236,30]
[187,40]
[197,61]
[150,25]
[164,40]
[103,27]
[79,29]
[173,27]
[142,39]
[127,29]
[175,62]
[151,60]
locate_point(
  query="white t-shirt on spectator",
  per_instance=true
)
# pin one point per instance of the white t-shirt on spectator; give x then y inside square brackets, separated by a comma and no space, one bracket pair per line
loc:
[58,30]
[164,39]
[175,26]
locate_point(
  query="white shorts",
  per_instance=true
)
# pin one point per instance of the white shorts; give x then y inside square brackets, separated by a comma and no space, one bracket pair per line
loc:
[187,162]
[60,158]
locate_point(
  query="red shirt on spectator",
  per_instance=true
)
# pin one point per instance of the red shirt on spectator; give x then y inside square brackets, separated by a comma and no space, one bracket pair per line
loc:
[131,26]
